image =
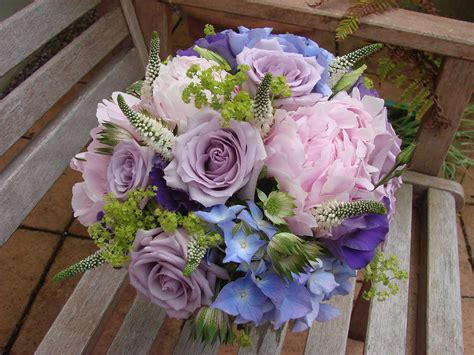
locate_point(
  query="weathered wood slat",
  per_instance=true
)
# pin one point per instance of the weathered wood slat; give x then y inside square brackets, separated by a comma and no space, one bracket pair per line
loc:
[29,176]
[387,326]
[30,28]
[331,337]
[186,344]
[266,341]
[422,182]
[139,329]
[398,27]
[438,128]
[76,328]
[22,107]
[443,303]
[135,31]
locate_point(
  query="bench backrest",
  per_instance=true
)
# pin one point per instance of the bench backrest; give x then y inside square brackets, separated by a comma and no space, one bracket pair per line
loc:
[31,173]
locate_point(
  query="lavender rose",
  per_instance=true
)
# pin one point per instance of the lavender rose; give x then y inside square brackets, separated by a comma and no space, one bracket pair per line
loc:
[212,163]
[128,168]
[156,271]
[302,73]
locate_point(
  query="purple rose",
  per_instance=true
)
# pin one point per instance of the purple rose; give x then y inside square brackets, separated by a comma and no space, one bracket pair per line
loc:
[355,240]
[213,163]
[156,271]
[128,168]
[302,73]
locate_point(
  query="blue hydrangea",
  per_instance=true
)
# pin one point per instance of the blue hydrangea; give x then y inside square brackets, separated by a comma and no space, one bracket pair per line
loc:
[254,218]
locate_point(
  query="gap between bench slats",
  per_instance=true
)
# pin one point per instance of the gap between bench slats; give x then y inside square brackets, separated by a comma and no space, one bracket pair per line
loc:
[139,329]
[387,326]
[187,346]
[76,328]
[22,107]
[24,32]
[330,338]
[266,341]
[31,174]
[444,318]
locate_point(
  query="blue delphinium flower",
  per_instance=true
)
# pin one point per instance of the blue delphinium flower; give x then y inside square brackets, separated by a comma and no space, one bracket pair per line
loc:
[254,219]
[243,298]
[342,275]
[240,247]
[219,213]
[321,282]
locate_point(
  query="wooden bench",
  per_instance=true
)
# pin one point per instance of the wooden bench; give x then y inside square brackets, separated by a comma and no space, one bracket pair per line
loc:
[426,314]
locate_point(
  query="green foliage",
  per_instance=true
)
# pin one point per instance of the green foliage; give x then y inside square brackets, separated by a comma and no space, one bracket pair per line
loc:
[290,254]
[210,55]
[277,205]
[168,220]
[351,21]
[136,88]
[401,163]
[382,272]
[348,80]
[115,233]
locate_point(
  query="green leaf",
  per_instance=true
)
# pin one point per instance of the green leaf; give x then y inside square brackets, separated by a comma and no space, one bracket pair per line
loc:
[210,55]
[349,79]
[261,195]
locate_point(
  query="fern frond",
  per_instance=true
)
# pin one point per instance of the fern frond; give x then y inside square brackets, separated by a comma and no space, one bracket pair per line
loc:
[419,99]
[409,91]
[425,106]
[400,80]
[346,27]
[385,67]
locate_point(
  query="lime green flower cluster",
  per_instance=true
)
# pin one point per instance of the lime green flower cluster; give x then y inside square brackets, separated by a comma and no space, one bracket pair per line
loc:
[209,30]
[383,271]
[116,231]
[221,87]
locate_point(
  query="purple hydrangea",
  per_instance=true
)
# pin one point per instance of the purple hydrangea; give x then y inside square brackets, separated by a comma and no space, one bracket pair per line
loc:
[168,197]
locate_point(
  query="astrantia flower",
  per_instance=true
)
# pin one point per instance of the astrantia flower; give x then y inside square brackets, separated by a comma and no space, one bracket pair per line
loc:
[240,247]
[213,163]
[169,198]
[155,270]
[331,151]
[255,220]
[243,298]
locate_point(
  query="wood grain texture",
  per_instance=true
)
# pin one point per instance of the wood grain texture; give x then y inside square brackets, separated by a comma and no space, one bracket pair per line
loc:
[30,28]
[265,340]
[22,107]
[387,326]
[139,329]
[135,31]
[186,344]
[398,27]
[76,328]
[330,338]
[29,176]
[444,332]
[453,92]
[422,182]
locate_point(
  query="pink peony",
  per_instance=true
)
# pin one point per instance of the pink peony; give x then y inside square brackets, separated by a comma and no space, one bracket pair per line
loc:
[156,271]
[334,150]
[87,195]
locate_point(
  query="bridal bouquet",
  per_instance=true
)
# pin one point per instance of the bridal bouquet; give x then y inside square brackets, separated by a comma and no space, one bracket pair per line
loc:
[243,181]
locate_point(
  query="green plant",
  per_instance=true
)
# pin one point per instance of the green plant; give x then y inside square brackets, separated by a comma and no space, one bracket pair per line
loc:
[351,21]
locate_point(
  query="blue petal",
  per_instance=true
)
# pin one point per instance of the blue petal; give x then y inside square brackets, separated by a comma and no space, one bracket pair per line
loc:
[296,304]
[272,286]
[321,282]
